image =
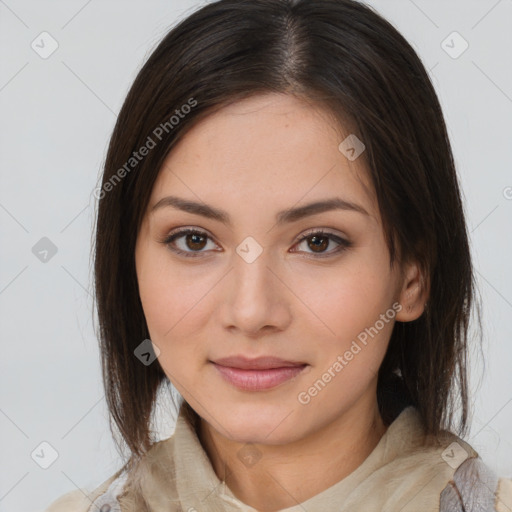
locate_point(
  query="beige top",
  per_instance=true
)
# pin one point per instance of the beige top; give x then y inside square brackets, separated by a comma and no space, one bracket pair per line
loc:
[406,471]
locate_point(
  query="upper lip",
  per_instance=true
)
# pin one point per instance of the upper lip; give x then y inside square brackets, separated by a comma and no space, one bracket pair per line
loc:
[258,363]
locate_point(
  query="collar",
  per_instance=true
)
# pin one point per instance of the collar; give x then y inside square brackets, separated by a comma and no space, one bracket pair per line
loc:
[181,472]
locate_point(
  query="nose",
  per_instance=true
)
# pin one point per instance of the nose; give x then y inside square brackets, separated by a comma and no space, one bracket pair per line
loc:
[257,299]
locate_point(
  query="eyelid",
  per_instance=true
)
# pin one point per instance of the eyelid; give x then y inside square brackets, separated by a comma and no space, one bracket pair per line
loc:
[183,230]
[323,231]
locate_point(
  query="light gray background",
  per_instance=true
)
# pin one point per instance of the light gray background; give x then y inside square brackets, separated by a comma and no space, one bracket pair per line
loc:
[56,117]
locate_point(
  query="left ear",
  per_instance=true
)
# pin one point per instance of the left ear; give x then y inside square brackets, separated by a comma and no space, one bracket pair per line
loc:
[413,294]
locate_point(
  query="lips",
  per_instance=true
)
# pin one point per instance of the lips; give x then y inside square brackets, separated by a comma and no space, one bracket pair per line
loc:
[257,374]
[259,363]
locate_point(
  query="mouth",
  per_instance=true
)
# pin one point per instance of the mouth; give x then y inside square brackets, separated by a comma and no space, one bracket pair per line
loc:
[257,374]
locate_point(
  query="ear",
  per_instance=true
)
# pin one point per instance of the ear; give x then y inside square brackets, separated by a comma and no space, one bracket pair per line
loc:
[413,293]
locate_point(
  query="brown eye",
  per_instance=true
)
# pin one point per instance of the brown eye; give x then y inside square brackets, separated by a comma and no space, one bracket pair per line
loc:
[188,242]
[195,241]
[318,242]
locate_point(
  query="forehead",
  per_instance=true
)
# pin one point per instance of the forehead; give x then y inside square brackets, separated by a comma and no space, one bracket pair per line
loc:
[271,148]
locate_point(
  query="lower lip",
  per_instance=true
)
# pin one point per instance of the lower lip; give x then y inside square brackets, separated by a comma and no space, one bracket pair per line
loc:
[258,380]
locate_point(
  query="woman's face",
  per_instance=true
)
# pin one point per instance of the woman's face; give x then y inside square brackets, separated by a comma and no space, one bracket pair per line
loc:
[246,285]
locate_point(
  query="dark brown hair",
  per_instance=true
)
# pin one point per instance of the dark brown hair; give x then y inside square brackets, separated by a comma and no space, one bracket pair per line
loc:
[343,56]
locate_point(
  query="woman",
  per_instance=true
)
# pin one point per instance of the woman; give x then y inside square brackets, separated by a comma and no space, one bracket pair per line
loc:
[281,236]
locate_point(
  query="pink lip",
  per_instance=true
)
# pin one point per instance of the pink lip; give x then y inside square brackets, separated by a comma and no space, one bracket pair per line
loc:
[257,374]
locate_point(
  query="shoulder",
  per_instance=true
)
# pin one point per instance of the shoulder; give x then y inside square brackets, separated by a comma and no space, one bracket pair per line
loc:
[475,486]
[504,495]
[79,500]
[127,488]
[71,502]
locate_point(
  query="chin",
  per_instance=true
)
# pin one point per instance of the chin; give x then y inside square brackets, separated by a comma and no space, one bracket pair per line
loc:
[266,424]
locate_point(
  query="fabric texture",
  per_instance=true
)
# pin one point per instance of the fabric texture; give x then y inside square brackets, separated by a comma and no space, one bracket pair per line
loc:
[407,472]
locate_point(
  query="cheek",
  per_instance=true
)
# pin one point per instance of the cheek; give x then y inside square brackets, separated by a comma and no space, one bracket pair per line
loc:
[171,307]
[173,300]
[345,301]
[345,318]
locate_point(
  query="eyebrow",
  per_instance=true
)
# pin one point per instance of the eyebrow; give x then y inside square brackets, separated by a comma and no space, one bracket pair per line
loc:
[283,217]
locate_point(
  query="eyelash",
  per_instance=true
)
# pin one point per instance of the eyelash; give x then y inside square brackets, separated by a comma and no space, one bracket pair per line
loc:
[343,244]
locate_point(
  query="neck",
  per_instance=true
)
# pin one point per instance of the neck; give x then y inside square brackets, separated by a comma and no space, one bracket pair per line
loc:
[277,480]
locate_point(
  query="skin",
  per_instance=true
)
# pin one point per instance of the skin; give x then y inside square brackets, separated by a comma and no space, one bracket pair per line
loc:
[253,159]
